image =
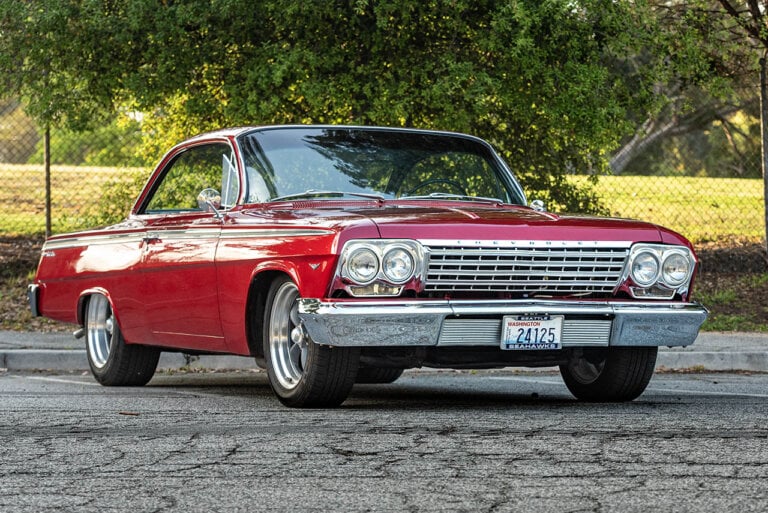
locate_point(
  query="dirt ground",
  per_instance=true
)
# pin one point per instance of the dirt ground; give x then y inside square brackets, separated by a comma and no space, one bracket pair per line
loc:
[734,278]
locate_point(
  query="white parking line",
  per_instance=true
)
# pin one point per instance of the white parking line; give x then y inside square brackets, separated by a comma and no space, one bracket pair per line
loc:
[705,392]
[62,380]
[91,383]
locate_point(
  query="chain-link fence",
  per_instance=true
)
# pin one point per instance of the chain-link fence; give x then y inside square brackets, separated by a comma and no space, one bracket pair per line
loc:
[707,184]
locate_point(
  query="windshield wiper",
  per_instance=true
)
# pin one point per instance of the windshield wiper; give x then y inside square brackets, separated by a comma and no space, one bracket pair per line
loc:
[463,197]
[314,193]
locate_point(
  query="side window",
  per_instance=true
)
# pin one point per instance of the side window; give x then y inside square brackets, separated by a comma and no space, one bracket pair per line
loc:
[209,166]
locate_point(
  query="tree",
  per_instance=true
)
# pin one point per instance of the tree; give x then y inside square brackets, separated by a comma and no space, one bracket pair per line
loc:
[542,80]
[17,135]
[703,75]
[751,19]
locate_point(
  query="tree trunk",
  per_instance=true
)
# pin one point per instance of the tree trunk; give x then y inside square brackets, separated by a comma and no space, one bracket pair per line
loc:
[47,165]
[646,135]
[764,135]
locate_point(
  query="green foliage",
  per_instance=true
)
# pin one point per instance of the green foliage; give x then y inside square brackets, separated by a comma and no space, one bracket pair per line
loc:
[115,200]
[554,84]
[729,147]
[115,144]
[17,133]
[193,171]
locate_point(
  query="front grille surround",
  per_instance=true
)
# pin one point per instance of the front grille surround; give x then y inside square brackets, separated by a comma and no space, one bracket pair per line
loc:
[526,269]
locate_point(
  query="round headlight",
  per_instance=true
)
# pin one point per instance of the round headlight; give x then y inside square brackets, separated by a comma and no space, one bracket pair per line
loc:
[645,269]
[363,265]
[675,269]
[398,265]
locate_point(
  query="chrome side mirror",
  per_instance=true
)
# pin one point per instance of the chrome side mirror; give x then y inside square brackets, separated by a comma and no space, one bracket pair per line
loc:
[209,200]
[538,206]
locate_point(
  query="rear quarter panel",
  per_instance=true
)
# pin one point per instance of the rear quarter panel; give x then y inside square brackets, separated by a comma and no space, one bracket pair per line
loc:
[71,266]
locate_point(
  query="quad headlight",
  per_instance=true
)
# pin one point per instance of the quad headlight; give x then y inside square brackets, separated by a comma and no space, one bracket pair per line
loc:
[398,265]
[379,267]
[676,269]
[660,271]
[362,265]
[645,268]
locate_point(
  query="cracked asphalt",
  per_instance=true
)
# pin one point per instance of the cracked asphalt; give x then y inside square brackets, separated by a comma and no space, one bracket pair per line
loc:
[433,441]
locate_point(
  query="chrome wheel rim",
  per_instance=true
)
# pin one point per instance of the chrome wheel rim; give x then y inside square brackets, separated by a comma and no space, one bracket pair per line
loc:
[100,325]
[288,349]
[585,371]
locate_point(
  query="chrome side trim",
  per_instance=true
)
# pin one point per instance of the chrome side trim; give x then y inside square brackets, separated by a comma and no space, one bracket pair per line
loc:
[177,234]
[94,240]
[184,234]
[272,233]
[432,323]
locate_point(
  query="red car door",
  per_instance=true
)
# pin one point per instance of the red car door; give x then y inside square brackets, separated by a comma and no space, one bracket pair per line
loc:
[180,290]
[183,224]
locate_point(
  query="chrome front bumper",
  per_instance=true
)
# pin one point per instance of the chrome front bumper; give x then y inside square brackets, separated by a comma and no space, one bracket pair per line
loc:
[473,323]
[33,299]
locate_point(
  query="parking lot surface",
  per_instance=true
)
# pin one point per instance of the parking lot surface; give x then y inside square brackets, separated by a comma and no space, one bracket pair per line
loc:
[433,441]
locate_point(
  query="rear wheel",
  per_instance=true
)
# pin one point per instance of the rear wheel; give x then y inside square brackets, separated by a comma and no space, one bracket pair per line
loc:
[112,361]
[303,374]
[609,374]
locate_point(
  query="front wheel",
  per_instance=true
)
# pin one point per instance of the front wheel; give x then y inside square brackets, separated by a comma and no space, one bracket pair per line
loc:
[112,361]
[612,374]
[301,373]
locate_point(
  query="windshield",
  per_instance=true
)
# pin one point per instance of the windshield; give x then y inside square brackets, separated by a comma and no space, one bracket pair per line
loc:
[294,162]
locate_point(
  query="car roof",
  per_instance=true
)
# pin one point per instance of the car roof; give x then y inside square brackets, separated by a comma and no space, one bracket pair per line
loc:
[237,131]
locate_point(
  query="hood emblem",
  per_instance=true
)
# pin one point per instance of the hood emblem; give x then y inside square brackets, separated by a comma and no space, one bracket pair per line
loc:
[314,266]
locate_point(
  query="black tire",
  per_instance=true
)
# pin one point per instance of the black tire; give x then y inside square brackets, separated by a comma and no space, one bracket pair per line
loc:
[613,374]
[377,375]
[301,373]
[112,361]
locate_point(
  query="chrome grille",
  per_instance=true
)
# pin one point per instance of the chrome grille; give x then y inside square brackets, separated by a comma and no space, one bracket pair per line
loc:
[557,271]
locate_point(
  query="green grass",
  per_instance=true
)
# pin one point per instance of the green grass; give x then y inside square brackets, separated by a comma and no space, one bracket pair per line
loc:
[736,303]
[75,193]
[731,322]
[702,209]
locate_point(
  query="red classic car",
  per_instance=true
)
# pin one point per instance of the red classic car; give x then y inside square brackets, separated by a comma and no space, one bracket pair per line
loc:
[336,255]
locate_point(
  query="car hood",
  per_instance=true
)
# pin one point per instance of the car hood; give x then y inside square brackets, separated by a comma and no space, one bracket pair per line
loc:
[470,222]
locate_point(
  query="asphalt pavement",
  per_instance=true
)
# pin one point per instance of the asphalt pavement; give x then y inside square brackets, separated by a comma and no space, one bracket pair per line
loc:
[712,351]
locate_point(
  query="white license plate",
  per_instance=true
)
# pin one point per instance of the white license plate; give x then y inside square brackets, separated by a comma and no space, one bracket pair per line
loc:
[531,332]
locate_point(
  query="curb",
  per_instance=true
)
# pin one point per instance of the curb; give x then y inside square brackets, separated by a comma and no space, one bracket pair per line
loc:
[719,361]
[76,360]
